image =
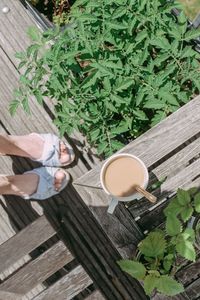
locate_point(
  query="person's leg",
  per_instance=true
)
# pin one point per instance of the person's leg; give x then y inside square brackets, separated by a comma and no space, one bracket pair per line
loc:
[14,184]
[25,145]
[30,145]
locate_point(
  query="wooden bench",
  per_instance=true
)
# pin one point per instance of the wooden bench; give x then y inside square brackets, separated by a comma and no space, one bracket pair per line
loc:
[170,149]
[36,271]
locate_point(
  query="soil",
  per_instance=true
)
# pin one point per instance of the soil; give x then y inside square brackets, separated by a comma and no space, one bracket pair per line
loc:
[51,10]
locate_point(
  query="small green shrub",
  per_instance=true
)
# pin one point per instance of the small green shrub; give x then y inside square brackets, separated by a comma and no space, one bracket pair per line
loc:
[121,67]
[159,254]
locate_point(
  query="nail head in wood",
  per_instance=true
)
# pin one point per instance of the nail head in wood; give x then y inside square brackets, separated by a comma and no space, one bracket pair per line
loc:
[5,9]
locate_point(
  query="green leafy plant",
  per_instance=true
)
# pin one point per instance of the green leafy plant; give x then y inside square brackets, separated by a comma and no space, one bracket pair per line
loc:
[119,68]
[158,254]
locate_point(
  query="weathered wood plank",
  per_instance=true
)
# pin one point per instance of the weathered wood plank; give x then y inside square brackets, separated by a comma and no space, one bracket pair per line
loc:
[10,220]
[25,241]
[189,273]
[182,296]
[193,290]
[12,28]
[33,293]
[120,226]
[181,159]
[9,271]
[5,227]
[14,207]
[96,295]
[9,296]
[38,270]
[99,269]
[159,137]
[67,287]
[94,243]
[182,179]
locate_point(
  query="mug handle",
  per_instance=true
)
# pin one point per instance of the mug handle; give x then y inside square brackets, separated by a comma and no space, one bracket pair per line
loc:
[112,205]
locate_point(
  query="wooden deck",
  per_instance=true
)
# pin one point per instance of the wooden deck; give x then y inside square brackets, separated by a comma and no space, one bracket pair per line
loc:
[67,247]
[36,264]
[170,149]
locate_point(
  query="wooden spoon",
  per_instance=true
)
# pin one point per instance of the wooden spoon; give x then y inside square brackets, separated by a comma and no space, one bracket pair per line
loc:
[146,194]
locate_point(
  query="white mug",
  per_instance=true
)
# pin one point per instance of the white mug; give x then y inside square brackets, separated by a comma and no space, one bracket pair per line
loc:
[116,199]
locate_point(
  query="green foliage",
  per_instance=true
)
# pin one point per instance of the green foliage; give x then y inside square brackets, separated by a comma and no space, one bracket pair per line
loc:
[157,184]
[153,245]
[160,251]
[169,286]
[197,202]
[34,36]
[183,197]
[118,69]
[180,209]
[150,283]
[173,225]
[134,268]
[186,249]
[182,205]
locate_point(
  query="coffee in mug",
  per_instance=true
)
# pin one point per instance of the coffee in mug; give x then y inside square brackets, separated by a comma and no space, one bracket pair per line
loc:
[119,176]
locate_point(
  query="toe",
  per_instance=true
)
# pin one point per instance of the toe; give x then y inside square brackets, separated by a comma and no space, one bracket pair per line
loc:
[59,177]
[63,147]
[64,154]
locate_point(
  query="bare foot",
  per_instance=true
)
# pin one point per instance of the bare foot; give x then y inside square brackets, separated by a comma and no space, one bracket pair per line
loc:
[32,146]
[64,155]
[26,184]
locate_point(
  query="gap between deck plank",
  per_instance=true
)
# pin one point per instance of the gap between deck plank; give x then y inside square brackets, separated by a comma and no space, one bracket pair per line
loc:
[25,241]
[67,287]
[38,270]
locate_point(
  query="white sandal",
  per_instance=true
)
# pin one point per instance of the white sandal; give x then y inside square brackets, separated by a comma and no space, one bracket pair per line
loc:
[46,188]
[51,151]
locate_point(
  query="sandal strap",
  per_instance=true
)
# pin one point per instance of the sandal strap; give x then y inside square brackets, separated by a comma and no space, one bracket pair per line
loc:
[45,188]
[51,151]
[50,155]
